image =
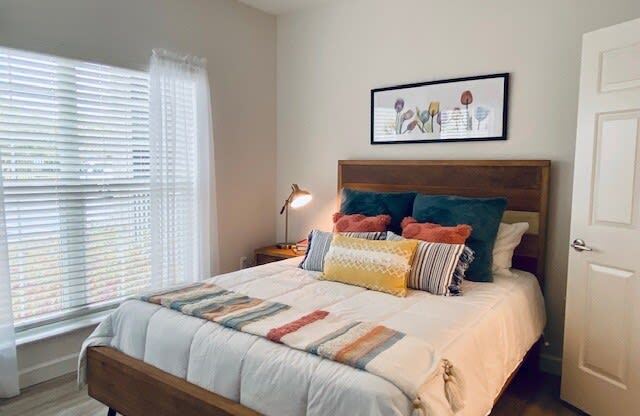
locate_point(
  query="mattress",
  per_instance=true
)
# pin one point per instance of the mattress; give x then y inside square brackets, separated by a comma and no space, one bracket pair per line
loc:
[485,334]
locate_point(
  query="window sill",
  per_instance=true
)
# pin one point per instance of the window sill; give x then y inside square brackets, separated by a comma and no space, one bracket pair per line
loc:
[60,328]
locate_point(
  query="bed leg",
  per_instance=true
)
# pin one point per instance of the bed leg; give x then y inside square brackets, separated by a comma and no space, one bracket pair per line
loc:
[111,412]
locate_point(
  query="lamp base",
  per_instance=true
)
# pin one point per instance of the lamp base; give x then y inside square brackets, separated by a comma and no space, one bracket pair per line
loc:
[289,246]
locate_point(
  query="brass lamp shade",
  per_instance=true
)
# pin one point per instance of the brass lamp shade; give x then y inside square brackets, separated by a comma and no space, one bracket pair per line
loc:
[299,197]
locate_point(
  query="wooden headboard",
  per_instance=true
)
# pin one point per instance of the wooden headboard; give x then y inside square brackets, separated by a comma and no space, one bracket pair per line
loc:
[525,184]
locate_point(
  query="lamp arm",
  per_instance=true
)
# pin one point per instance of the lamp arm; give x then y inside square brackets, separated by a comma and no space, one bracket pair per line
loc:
[286,203]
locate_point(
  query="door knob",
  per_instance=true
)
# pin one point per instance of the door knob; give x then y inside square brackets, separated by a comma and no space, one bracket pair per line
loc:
[580,246]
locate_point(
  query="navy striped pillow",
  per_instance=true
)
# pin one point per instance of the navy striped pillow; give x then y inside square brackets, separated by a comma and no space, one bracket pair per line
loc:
[438,268]
[319,242]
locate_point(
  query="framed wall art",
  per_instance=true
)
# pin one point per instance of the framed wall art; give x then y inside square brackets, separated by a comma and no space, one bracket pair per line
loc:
[452,110]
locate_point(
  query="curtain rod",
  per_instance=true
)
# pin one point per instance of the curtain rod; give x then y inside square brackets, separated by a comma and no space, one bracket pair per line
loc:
[188,59]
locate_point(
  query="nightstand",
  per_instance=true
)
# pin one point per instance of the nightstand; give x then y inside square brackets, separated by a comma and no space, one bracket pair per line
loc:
[270,254]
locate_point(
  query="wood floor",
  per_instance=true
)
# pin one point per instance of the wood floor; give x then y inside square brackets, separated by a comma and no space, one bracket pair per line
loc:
[533,394]
[528,395]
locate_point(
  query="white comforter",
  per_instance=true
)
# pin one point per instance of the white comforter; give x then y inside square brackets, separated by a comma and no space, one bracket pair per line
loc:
[485,334]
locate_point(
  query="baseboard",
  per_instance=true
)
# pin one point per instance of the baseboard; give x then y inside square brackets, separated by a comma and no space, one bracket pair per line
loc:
[48,370]
[551,364]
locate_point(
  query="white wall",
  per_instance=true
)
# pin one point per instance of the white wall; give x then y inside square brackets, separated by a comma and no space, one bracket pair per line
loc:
[239,43]
[330,57]
[50,358]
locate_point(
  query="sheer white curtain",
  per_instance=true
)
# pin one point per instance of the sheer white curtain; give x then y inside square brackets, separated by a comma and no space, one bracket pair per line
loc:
[8,362]
[184,245]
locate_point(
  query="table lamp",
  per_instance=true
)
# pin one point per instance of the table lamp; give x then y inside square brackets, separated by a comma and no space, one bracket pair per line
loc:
[298,198]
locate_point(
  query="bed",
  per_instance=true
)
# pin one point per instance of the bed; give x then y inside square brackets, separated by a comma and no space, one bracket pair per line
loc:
[151,360]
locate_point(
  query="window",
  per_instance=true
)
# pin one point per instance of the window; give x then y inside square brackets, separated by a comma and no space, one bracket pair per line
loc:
[74,142]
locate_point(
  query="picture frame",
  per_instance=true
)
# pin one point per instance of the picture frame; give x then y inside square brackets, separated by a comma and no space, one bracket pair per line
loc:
[450,110]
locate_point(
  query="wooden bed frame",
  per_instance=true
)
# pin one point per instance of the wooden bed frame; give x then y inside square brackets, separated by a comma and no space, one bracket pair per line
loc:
[134,388]
[525,184]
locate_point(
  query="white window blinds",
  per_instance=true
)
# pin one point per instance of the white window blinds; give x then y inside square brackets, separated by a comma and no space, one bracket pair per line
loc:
[74,141]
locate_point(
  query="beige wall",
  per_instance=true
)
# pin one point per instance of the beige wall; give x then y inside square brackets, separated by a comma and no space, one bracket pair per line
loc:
[330,57]
[50,358]
[239,43]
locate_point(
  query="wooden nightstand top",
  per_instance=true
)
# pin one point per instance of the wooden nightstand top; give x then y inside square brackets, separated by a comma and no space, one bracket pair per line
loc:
[270,254]
[274,251]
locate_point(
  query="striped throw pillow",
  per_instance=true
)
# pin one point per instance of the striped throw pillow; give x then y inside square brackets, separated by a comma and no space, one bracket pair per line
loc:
[438,268]
[319,242]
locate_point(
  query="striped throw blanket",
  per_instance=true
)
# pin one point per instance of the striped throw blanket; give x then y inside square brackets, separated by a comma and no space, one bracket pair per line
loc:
[407,362]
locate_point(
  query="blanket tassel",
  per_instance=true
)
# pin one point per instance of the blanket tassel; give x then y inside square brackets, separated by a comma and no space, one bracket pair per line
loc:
[419,408]
[453,391]
[453,387]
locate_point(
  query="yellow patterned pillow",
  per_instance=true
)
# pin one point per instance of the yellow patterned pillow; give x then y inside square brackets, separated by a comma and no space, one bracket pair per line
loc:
[379,265]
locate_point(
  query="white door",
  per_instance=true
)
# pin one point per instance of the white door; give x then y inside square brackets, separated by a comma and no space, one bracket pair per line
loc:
[601,361]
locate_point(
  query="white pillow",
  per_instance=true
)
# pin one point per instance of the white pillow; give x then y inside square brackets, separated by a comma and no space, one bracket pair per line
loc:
[509,236]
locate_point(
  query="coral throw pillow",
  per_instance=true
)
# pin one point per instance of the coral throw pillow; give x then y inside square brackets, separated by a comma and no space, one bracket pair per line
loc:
[360,223]
[435,233]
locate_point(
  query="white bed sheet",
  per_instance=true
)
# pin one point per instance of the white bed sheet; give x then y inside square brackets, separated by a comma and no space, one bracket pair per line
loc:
[485,334]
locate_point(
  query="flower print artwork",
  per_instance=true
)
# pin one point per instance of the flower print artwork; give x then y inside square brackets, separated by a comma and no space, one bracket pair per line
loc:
[453,110]
[481,114]
[401,117]
[466,99]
